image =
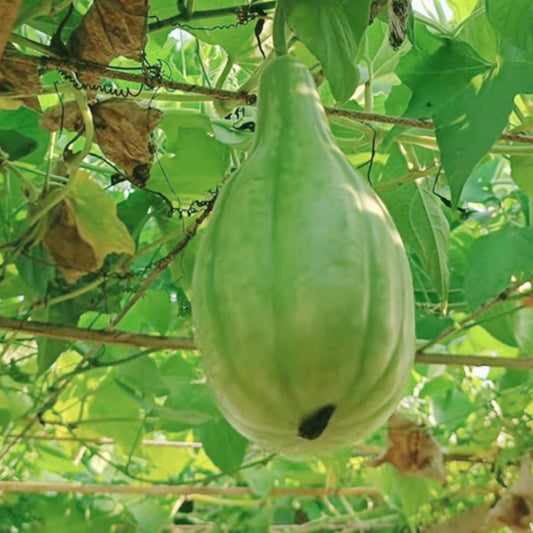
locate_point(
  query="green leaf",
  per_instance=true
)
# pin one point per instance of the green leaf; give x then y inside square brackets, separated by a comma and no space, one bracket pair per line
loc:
[437,70]
[451,408]
[14,404]
[513,21]
[259,479]
[64,313]
[494,259]
[96,218]
[157,310]
[523,330]
[35,269]
[136,210]
[150,518]
[116,414]
[424,229]
[332,31]
[143,374]
[500,320]
[26,124]
[187,405]
[222,444]
[237,40]
[465,132]
[429,326]
[12,285]
[194,162]
[16,145]
[521,172]
[461,8]
[451,83]
[376,59]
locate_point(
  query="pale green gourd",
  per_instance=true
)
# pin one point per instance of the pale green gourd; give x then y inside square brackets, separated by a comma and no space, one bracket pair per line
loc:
[302,292]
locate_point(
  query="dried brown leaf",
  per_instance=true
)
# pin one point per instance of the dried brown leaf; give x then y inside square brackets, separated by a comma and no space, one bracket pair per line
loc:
[22,78]
[74,257]
[473,520]
[110,28]
[9,10]
[122,129]
[412,450]
[515,508]
[67,116]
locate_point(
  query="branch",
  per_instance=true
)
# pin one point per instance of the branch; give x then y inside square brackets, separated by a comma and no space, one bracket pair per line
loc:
[411,123]
[522,363]
[221,94]
[110,338]
[470,320]
[164,263]
[367,451]
[138,340]
[50,63]
[108,440]
[9,10]
[185,490]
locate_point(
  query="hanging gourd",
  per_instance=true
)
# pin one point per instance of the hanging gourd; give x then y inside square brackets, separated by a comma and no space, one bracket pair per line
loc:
[302,293]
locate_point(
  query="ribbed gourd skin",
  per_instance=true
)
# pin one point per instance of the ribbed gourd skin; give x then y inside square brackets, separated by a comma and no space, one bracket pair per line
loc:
[302,292]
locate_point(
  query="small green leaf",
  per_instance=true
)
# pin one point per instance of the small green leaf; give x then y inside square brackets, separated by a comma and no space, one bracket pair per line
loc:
[96,218]
[523,330]
[187,405]
[143,374]
[429,326]
[222,444]
[521,172]
[332,31]
[451,408]
[35,269]
[195,161]
[418,215]
[135,211]
[461,8]
[25,123]
[16,145]
[259,479]
[116,414]
[494,259]
[237,40]
[157,310]
[500,320]
[148,517]
[64,313]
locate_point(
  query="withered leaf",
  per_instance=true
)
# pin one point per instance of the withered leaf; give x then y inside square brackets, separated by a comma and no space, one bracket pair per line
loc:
[73,256]
[84,228]
[9,10]
[111,28]
[66,116]
[22,77]
[412,450]
[469,521]
[515,508]
[122,129]
[123,132]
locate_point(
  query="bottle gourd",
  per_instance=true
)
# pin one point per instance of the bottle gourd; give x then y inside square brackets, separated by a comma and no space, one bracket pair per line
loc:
[302,292]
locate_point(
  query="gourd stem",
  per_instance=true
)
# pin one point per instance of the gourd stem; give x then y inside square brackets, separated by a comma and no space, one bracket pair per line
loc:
[278,30]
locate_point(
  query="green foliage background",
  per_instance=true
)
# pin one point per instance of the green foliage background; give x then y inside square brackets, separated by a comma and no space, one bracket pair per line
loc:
[460,194]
